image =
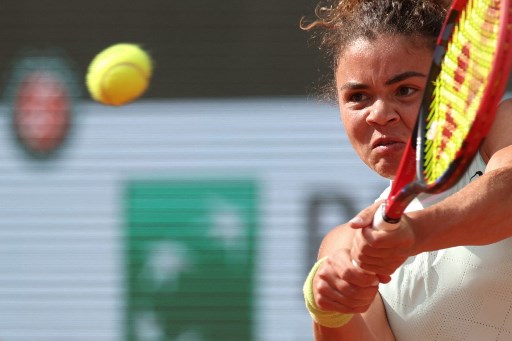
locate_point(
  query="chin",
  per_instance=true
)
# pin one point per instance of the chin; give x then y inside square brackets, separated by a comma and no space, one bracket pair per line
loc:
[386,170]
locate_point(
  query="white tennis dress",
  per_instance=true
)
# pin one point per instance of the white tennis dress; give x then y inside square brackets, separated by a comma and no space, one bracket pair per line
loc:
[461,293]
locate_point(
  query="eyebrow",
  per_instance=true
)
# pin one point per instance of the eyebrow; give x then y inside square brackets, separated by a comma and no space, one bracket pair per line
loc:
[403,76]
[395,79]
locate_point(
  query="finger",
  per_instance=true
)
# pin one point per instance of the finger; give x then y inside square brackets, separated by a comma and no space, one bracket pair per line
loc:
[364,218]
[357,257]
[380,244]
[375,261]
[360,250]
[380,238]
[384,278]
[330,305]
[334,270]
[343,297]
[352,274]
[347,294]
[379,265]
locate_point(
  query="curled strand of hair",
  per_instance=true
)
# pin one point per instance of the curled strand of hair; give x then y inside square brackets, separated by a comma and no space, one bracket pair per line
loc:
[337,23]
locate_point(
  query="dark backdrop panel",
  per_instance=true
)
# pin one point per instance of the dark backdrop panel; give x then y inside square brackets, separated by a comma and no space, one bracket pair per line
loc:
[201,48]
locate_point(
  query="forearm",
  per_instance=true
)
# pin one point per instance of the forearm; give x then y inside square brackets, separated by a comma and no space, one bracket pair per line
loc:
[368,326]
[479,214]
[356,329]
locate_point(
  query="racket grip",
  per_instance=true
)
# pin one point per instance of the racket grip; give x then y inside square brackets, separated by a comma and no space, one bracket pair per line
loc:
[379,223]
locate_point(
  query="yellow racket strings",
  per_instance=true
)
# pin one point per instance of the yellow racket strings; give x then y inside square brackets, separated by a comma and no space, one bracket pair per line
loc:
[460,84]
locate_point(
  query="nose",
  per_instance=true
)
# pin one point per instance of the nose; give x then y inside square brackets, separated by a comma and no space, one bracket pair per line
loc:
[381,113]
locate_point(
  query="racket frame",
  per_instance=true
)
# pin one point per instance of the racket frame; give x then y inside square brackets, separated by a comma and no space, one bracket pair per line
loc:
[410,180]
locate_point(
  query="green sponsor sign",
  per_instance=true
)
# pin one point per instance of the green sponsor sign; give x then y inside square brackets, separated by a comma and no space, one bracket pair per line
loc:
[190,260]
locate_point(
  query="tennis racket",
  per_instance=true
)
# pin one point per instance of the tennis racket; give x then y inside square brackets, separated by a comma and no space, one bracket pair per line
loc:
[467,79]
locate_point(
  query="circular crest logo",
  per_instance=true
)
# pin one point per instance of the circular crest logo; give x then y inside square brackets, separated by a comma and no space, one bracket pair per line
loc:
[41,91]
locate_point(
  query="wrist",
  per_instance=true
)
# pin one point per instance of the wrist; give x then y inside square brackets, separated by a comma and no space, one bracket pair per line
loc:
[330,319]
[421,236]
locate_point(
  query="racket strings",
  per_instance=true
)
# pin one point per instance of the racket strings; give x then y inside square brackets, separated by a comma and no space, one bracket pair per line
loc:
[460,84]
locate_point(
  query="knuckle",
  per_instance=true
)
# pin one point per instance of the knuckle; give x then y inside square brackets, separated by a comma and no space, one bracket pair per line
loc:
[321,288]
[321,302]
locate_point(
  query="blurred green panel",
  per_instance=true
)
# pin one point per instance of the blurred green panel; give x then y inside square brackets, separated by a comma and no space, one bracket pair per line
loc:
[190,260]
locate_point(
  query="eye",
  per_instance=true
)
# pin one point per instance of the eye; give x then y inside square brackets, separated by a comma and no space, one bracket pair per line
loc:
[404,91]
[357,97]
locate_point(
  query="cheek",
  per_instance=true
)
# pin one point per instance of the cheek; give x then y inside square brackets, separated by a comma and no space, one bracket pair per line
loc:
[411,121]
[410,115]
[356,129]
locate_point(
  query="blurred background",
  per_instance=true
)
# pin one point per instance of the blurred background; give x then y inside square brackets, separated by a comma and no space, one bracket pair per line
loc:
[192,214]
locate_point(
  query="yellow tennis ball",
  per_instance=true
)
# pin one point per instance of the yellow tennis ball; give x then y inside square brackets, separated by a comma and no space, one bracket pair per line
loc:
[119,74]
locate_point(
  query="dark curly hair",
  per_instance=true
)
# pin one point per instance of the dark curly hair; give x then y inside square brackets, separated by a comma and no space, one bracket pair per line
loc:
[340,22]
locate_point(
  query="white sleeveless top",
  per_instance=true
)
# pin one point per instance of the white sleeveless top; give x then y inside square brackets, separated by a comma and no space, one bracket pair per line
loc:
[461,293]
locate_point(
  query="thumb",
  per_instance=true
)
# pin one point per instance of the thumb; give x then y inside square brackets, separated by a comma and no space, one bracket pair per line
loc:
[365,217]
[358,222]
[384,278]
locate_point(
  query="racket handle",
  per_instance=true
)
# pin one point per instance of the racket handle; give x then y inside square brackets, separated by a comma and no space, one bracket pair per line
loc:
[379,224]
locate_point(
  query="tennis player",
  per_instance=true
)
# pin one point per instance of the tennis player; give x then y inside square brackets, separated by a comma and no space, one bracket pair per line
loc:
[451,257]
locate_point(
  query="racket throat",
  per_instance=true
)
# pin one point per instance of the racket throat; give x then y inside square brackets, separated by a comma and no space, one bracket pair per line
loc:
[396,205]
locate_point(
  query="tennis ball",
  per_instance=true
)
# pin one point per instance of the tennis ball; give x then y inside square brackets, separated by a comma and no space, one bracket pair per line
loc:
[119,74]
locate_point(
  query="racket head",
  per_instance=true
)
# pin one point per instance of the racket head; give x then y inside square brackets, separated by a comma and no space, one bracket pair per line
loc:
[467,79]
[471,69]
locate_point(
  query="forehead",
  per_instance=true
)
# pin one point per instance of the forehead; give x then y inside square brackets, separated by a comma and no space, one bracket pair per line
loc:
[384,55]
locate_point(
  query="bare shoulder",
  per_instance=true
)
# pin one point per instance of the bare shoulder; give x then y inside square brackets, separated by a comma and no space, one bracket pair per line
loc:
[337,238]
[506,104]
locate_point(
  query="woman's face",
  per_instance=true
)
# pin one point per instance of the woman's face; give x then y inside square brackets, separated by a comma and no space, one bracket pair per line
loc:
[380,85]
